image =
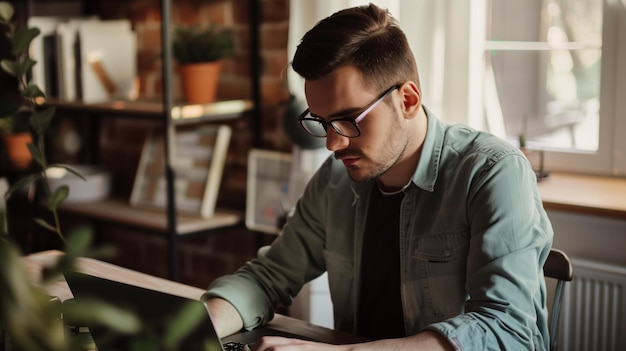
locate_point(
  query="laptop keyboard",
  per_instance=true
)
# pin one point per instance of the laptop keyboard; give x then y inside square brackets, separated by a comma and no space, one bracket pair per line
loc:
[235,346]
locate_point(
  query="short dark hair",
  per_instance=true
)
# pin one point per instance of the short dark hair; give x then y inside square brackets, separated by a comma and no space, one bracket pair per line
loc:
[367,37]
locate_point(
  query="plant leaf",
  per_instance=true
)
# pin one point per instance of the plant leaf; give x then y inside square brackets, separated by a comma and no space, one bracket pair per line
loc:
[193,44]
[10,66]
[22,39]
[40,119]
[90,312]
[144,343]
[22,66]
[78,244]
[79,240]
[27,64]
[37,155]
[45,224]
[57,197]
[27,314]
[6,123]
[70,169]
[184,322]
[32,91]
[22,182]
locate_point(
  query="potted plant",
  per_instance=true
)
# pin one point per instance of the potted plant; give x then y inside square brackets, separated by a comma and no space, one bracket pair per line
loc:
[199,52]
[19,115]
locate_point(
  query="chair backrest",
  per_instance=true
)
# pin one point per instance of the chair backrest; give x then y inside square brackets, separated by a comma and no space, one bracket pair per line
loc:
[558,266]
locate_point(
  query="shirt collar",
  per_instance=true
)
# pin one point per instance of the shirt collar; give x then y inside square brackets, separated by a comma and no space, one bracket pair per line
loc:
[425,175]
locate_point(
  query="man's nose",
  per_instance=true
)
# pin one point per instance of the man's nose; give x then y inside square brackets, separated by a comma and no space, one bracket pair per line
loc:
[335,141]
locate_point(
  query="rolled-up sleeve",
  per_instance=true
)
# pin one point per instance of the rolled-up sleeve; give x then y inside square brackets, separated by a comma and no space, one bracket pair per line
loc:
[278,273]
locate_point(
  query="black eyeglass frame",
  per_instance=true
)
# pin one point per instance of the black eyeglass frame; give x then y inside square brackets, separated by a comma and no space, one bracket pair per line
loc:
[355,121]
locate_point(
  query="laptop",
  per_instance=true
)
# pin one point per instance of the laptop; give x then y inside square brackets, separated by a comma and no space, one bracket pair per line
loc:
[155,309]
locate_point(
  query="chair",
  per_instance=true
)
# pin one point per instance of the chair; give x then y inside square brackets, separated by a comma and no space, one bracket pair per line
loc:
[558,266]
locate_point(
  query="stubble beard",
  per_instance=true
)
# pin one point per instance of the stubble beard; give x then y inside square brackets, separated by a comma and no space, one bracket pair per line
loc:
[389,157]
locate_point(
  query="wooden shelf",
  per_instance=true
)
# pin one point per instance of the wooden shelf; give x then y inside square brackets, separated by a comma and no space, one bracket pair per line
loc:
[181,113]
[120,211]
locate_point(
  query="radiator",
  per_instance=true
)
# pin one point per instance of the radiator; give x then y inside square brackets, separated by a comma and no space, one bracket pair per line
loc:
[594,308]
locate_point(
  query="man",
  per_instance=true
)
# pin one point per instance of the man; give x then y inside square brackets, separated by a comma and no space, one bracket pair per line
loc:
[433,236]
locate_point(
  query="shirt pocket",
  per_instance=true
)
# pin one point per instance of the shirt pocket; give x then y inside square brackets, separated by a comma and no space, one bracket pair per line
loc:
[441,262]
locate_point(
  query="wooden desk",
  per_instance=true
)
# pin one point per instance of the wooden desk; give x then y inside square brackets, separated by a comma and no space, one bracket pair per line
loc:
[35,262]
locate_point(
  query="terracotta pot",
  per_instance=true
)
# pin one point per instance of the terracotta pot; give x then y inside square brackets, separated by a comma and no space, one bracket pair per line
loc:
[199,81]
[17,149]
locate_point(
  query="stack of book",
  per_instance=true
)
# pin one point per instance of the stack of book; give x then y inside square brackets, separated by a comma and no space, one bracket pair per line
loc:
[85,59]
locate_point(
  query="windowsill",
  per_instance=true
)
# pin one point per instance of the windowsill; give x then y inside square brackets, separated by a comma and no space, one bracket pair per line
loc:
[587,194]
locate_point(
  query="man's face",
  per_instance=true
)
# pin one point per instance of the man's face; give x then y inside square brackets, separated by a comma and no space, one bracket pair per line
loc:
[383,138]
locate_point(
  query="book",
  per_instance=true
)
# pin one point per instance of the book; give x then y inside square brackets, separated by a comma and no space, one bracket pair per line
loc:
[68,57]
[197,157]
[84,58]
[108,61]
[43,50]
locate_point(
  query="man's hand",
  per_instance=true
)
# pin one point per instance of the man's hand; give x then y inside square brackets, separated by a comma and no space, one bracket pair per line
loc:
[427,340]
[278,343]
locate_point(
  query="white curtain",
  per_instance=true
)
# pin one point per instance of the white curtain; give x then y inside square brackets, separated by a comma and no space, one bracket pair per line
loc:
[439,35]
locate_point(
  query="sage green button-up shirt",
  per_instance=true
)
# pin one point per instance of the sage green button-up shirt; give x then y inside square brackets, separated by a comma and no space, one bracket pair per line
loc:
[473,240]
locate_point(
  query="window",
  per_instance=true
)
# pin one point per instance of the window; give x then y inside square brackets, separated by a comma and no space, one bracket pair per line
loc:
[547,69]
[560,42]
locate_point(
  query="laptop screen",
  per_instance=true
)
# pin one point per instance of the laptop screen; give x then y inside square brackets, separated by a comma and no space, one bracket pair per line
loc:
[156,311]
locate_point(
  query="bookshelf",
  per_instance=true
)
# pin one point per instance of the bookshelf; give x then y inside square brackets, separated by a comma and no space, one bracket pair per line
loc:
[120,211]
[154,110]
[170,115]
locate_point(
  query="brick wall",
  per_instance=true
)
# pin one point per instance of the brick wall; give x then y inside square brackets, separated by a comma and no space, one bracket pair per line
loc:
[201,258]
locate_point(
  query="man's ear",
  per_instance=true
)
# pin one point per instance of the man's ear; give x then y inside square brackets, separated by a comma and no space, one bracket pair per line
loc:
[411,99]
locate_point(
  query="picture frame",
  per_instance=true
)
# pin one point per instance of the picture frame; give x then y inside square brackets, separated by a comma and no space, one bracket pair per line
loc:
[267,197]
[198,159]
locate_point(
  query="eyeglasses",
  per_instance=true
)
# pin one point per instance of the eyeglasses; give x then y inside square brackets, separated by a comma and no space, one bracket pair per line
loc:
[345,126]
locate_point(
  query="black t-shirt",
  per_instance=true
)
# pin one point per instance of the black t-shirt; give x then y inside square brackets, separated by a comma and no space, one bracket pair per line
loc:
[380,306]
